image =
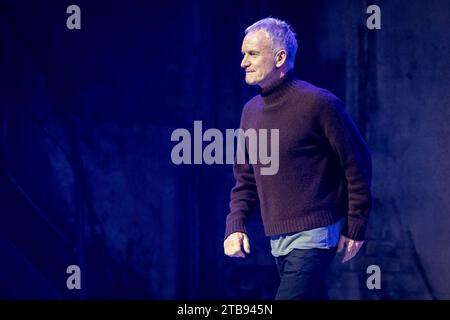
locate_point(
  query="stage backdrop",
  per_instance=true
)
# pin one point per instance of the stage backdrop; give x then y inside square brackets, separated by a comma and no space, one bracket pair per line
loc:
[87,114]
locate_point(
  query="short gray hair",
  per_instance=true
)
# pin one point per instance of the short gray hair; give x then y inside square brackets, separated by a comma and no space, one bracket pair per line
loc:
[281,35]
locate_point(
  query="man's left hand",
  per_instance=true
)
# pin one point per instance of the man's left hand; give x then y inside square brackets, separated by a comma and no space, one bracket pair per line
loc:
[352,247]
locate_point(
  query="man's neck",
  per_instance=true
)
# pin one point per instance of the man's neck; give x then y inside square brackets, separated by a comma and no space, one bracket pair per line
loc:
[280,74]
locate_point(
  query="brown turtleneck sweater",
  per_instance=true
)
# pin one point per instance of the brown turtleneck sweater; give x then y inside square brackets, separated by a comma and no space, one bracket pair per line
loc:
[325,167]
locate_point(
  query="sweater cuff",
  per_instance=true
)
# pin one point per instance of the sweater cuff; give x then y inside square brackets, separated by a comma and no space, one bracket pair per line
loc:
[235,226]
[355,231]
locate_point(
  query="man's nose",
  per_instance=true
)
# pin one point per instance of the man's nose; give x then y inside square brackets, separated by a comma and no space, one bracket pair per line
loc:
[244,63]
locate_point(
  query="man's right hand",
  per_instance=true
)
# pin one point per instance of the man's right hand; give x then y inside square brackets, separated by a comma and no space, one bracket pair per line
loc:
[233,245]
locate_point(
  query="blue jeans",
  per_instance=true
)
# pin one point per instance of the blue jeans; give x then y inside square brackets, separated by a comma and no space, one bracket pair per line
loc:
[303,274]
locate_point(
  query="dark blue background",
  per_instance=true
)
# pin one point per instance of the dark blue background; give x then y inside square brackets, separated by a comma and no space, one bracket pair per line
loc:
[87,116]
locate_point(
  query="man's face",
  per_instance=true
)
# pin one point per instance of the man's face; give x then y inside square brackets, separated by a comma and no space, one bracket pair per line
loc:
[259,59]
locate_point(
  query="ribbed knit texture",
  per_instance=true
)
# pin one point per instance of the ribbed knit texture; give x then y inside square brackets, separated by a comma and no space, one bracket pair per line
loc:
[324,164]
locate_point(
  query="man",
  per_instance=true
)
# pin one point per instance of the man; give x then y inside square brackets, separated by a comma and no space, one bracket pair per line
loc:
[319,200]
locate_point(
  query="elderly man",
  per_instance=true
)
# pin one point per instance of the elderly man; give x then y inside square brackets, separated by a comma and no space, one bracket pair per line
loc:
[319,200]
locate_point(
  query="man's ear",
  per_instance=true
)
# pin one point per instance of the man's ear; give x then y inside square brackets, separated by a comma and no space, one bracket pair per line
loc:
[280,58]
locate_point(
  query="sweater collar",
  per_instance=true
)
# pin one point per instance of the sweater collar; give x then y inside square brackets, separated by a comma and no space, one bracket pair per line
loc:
[278,89]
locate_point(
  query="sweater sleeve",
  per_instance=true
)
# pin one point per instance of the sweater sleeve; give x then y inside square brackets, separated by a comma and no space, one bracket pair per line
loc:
[354,157]
[244,194]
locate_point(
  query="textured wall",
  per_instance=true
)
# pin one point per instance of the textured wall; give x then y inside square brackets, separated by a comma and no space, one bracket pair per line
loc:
[397,92]
[413,69]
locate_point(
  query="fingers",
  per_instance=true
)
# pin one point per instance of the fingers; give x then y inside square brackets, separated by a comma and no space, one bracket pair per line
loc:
[350,245]
[352,249]
[348,255]
[232,245]
[348,250]
[341,243]
[246,244]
